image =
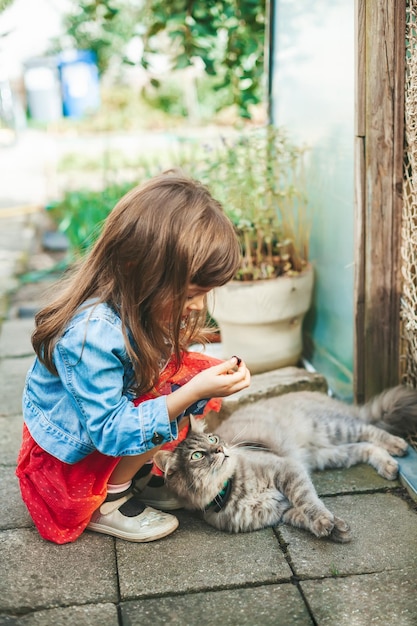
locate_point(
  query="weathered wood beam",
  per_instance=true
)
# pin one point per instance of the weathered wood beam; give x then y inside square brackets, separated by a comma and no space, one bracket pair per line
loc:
[379,129]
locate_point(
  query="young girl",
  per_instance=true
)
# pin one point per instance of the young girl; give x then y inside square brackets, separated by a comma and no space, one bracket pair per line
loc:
[112,380]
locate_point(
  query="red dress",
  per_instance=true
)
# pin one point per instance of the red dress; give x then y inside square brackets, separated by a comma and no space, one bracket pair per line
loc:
[62,497]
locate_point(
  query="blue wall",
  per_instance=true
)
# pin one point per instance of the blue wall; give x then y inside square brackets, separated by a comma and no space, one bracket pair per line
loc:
[312,95]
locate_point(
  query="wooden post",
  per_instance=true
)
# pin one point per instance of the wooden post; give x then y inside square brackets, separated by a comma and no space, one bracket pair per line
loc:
[379,130]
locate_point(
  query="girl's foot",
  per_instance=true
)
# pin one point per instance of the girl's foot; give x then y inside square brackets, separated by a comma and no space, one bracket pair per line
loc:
[126,517]
[161,498]
[156,494]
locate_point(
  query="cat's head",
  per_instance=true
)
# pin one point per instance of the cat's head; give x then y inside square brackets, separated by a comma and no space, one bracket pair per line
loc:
[198,467]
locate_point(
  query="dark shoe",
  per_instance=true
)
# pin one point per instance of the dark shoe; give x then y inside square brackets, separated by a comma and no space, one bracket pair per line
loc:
[155,493]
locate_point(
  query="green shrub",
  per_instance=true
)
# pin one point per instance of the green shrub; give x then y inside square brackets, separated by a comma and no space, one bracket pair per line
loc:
[80,214]
[258,176]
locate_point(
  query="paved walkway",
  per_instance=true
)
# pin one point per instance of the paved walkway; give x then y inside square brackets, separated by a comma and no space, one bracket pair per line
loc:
[197,575]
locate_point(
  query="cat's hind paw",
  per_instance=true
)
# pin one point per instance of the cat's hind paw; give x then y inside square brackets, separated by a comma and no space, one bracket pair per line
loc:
[322,525]
[389,469]
[341,532]
[384,463]
[397,446]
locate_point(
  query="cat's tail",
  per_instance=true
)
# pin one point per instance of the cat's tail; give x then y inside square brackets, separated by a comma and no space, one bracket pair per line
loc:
[394,409]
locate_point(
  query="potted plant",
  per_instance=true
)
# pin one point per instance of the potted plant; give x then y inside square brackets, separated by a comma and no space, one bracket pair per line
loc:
[259,180]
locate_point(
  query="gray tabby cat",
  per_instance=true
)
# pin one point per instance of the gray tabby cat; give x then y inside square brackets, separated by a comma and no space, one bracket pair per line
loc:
[254,471]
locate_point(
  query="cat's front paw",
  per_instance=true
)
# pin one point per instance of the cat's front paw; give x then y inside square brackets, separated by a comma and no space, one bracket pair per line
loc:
[341,531]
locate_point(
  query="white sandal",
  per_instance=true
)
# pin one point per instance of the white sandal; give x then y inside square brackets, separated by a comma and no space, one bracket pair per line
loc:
[125,516]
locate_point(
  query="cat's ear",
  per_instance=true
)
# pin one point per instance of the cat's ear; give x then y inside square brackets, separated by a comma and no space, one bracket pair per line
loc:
[161,460]
[197,425]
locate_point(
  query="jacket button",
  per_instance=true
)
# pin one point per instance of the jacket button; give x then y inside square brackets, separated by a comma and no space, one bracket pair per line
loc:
[157,439]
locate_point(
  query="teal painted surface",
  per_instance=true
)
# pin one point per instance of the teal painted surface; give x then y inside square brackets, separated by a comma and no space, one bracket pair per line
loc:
[408,471]
[312,96]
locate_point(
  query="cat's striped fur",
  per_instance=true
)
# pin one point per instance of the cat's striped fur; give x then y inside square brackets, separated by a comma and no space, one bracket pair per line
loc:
[262,455]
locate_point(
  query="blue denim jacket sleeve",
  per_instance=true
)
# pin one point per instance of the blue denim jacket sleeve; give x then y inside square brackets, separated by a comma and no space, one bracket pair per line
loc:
[89,405]
[93,374]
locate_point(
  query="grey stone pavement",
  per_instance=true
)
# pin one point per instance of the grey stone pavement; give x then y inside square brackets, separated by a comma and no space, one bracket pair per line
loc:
[196,576]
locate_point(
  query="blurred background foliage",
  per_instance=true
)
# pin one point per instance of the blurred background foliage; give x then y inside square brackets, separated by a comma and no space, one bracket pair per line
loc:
[4,4]
[197,57]
[257,175]
[227,35]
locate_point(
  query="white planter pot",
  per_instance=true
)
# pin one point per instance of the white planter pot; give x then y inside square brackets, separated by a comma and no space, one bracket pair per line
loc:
[261,321]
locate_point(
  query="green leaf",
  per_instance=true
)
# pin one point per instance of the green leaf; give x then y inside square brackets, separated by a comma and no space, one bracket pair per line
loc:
[182,61]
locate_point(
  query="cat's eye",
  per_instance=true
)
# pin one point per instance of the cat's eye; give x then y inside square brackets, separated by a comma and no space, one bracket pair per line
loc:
[213,439]
[197,455]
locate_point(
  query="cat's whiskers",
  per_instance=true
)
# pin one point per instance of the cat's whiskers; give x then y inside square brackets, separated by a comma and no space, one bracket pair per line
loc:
[192,486]
[252,445]
[197,488]
[238,435]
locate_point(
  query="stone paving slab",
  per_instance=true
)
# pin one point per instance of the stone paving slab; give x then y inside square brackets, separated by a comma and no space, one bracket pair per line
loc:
[10,438]
[198,557]
[272,605]
[17,241]
[87,615]
[9,261]
[273,383]
[13,512]
[18,230]
[15,338]
[12,380]
[359,478]
[408,473]
[384,529]
[362,600]
[42,575]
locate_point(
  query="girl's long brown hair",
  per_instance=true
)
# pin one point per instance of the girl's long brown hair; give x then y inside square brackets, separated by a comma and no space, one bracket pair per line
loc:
[160,238]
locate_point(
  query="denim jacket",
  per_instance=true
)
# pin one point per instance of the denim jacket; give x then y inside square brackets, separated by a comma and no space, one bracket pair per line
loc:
[88,406]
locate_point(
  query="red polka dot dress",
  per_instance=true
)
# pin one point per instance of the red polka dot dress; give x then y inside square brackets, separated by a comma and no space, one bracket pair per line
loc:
[62,497]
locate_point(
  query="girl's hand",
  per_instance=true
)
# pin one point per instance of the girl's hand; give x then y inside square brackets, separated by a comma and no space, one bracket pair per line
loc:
[218,381]
[221,380]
